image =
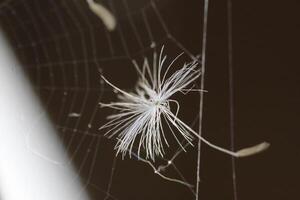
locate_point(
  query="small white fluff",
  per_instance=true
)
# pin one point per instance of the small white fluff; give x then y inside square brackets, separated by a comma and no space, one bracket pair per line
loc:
[140,113]
[104,14]
[74,114]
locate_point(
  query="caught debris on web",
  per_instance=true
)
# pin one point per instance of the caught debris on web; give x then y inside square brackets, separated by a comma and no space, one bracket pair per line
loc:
[104,14]
[141,114]
[74,114]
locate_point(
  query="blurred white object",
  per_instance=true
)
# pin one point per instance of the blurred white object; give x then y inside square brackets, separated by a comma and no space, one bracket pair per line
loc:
[32,159]
[104,14]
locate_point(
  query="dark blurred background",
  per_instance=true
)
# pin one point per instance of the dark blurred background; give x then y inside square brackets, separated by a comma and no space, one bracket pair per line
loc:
[62,47]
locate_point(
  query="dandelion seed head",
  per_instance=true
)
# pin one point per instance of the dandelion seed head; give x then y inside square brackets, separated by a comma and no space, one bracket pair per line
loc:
[143,115]
[140,113]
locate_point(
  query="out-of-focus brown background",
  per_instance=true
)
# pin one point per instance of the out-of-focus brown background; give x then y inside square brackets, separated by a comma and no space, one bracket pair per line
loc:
[62,46]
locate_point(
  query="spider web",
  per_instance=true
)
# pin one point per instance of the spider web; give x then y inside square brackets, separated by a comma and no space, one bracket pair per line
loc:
[63,47]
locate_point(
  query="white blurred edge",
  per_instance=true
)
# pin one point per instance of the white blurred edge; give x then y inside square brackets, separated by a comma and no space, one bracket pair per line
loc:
[33,163]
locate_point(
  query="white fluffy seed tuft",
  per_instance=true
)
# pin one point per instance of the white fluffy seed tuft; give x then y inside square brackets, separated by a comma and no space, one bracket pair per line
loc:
[140,113]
